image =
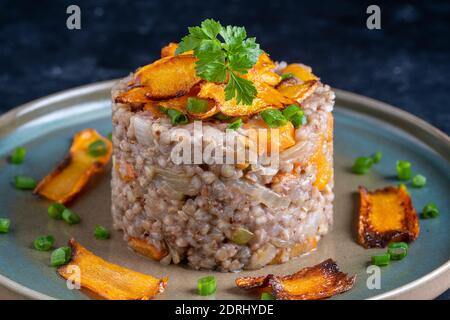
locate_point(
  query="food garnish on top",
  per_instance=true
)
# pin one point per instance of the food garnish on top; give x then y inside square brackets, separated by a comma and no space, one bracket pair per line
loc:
[220,72]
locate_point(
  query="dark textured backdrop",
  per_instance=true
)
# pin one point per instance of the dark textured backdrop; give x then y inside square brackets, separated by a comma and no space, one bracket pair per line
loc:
[406,64]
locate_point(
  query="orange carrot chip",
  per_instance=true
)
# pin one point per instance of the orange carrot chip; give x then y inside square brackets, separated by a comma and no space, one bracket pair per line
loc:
[386,215]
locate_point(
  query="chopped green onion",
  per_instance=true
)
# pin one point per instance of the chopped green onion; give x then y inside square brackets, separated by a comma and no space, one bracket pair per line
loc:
[288,75]
[404,170]
[241,236]
[291,110]
[419,181]
[177,117]
[273,117]
[295,115]
[430,211]
[60,256]
[267,296]
[381,260]
[70,217]
[298,120]
[24,183]
[362,165]
[397,250]
[109,135]
[55,210]
[236,124]
[206,285]
[97,148]
[44,243]
[222,117]
[18,155]
[101,233]
[195,105]
[4,225]
[377,156]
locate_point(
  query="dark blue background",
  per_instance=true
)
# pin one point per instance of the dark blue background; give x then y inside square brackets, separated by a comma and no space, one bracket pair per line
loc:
[406,63]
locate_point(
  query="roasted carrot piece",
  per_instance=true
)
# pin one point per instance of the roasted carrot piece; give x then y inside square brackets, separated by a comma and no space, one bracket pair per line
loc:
[297,92]
[169,50]
[109,280]
[301,71]
[284,140]
[319,282]
[168,77]
[73,173]
[386,215]
[312,283]
[146,249]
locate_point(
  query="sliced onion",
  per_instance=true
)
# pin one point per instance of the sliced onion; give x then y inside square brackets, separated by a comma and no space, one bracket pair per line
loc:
[179,183]
[142,130]
[263,256]
[261,194]
[301,151]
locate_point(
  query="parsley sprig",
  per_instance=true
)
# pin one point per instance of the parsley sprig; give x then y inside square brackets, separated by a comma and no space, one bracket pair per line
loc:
[218,61]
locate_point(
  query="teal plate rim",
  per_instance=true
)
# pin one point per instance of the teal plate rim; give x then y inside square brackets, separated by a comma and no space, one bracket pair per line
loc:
[425,287]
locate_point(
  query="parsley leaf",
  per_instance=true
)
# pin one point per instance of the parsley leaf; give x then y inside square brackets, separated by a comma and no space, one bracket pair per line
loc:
[243,89]
[216,59]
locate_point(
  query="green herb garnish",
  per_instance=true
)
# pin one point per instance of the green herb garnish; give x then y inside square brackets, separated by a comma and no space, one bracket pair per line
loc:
[404,170]
[97,148]
[24,183]
[377,156]
[195,105]
[60,256]
[274,118]
[55,211]
[18,155]
[362,165]
[4,225]
[419,181]
[295,115]
[430,211]
[236,124]
[206,285]
[397,250]
[101,233]
[288,75]
[44,243]
[70,217]
[177,117]
[219,60]
[267,296]
[381,260]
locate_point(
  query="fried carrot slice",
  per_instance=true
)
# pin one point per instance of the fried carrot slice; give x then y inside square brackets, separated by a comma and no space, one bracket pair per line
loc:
[297,92]
[267,97]
[300,71]
[73,173]
[168,77]
[386,215]
[109,280]
[169,50]
[312,283]
[146,249]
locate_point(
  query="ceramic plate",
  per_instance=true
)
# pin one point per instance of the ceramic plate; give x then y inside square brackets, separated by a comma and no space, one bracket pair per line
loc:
[362,126]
